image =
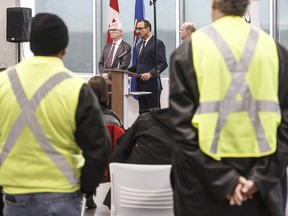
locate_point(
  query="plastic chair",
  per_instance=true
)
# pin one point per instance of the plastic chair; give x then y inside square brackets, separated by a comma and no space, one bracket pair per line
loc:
[142,190]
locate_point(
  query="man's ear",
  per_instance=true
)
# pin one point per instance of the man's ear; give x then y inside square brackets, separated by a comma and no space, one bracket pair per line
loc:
[62,53]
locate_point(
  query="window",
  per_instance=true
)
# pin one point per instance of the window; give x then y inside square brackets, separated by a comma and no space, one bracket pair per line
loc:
[78,15]
[198,12]
[264,14]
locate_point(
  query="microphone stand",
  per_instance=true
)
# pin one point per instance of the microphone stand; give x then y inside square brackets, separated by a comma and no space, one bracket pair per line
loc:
[153,2]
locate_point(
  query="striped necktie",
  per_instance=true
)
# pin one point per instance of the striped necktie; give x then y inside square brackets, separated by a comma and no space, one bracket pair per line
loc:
[110,57]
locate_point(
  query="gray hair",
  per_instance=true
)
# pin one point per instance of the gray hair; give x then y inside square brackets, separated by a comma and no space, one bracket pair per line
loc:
[116,25]
[233,7]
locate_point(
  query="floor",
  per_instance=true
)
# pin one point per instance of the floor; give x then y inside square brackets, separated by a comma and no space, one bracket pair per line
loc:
[101,209]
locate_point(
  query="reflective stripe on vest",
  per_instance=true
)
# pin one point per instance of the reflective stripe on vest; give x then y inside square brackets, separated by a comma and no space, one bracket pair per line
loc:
[27,117]
[238,85]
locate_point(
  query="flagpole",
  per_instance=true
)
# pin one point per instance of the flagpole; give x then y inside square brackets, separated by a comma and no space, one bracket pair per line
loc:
[153,2]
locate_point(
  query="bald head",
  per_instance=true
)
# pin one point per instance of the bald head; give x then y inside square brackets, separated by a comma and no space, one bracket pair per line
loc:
[186,30]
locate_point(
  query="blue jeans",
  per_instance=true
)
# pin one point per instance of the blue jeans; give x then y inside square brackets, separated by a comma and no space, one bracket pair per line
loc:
[40,204]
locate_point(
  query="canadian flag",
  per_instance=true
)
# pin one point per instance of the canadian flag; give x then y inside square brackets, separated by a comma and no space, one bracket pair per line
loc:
[113,16]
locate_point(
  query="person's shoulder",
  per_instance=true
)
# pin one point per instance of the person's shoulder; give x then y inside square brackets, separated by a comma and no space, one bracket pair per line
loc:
[108,112]
[183,48]
[267,37]
[148,114]
[124,43]
[110,117]
[73,79]
[153,39]
[3,73]
[159,41]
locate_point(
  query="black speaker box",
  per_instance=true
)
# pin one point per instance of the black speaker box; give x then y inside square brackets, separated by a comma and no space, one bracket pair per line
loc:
[18,24]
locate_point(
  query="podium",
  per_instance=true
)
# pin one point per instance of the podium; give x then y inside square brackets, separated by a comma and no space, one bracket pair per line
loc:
[120,94]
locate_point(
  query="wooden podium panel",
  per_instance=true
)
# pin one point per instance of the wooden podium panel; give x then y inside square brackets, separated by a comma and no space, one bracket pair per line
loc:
[117,97]
[120,94]
[119,91]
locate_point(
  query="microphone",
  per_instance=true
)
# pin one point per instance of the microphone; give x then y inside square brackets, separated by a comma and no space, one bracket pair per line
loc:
[124,53]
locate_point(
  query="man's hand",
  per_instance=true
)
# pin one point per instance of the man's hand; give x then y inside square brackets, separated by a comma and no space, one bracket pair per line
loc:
[145,76]
[249,188]
[243,190]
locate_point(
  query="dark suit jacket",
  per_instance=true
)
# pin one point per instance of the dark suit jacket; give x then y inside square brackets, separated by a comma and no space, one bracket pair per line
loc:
[123,46]
[145,63]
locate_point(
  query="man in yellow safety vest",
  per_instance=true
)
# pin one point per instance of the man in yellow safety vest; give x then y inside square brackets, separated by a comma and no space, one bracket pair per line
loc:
[228,102]
[53,143]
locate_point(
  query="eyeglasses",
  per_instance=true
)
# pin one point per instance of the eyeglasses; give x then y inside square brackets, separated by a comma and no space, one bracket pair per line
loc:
[139,28]
[113,30]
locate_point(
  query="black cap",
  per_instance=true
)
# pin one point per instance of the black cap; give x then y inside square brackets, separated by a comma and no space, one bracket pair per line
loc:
[48,34]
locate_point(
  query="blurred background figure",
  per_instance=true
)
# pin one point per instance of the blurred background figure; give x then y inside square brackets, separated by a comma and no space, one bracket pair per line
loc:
[186,30]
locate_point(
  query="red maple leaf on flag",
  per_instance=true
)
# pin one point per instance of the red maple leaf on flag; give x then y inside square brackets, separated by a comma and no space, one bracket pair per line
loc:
[113,16]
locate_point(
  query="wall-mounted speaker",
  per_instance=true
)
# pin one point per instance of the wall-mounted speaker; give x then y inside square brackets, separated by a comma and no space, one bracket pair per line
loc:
[18,24]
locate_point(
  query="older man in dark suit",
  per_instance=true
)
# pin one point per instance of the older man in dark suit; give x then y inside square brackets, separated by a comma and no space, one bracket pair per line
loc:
[146,66]
[111,52]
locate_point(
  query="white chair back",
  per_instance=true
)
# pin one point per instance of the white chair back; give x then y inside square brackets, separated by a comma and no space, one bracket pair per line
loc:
[141,190]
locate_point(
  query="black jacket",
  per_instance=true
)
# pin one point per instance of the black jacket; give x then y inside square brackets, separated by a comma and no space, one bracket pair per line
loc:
[92,137]
[147,141]
[200,183]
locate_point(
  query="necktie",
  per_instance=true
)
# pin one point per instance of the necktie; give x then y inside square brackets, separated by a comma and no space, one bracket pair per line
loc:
[110,57]
[142,47]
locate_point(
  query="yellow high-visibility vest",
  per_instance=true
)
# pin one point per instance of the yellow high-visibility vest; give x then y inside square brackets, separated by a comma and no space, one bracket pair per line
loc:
[38,152]
[237,78]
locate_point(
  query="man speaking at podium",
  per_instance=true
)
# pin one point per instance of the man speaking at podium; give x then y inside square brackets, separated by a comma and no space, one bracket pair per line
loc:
[145,66]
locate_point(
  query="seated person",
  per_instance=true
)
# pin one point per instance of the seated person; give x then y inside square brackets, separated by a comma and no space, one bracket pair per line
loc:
[147,141]
[99,86]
